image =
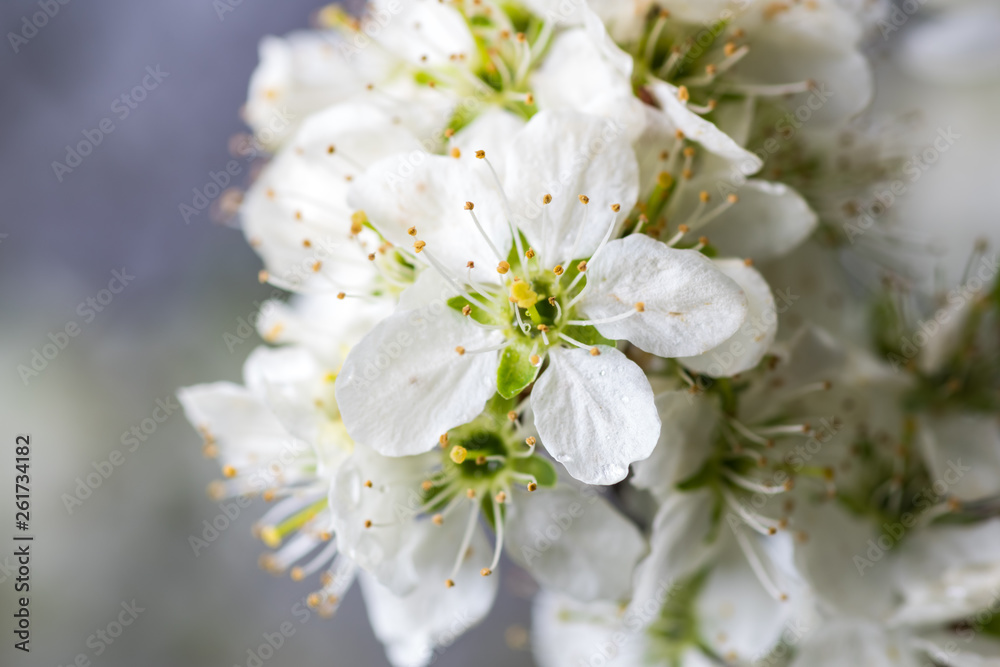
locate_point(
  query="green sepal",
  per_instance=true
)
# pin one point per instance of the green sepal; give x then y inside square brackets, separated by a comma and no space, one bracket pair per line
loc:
[516,370]
[587,335]
[543,471]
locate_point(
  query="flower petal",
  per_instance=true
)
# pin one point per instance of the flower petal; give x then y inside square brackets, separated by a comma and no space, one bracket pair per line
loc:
[689,306]
[405,383]
[429,192]
[769,220]
[595,414]
[411,627]
[561,536]
[565,155]
[963,450]
[745,348]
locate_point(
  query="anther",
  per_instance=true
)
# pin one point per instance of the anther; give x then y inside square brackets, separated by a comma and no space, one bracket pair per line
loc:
[503,267]
[732,199]
[470,494]
[460,350]
[748,262]
[535,359]
[437,519]
[594,352]
[584,199]
[547,199]
[443,440]
[419,245]
[341,295]
[703,196]
[427,485]
[368,484]
[582,266]
[486,572]
[469,206]
[228,471]
[480,154]
[616,207]
[371,257]
[456,153]
[512,416]
[640,306]
[368,523]
[298,574]
[449,583]
[682,94]
[501,497]
[412,231]
[262,277]
[532,487]
[458,454]
[529,253]
[558,270]
[466,310]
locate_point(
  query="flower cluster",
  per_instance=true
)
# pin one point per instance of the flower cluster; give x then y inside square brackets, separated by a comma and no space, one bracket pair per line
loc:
[576,283]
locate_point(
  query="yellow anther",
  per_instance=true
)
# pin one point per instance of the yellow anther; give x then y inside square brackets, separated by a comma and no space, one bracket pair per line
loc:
[263,277]
[456,153]
[582,266]
[530,441]
[480,154]
[228,471]
[535,360]
[460,350]
[532,487]
[437,519]
[368,523]
[341,295]
[682,94]
[358,220]
[368,484]
[270,536]
[503,267]
[458,454]
[419,245]
[584,199]
[466,310]
[594,352]
[469,206]
[486,572]
[547,199]
[412,231]
[558,270]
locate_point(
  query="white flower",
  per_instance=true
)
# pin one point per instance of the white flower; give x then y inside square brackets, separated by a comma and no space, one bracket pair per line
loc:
[281,436]
[561,295]
[296,215]
[685,611]
[382,507]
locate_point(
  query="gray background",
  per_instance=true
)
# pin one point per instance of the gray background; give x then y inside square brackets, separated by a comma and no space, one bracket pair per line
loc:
[118,209]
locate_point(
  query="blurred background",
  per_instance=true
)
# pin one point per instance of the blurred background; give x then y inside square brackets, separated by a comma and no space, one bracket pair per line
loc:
[64,233]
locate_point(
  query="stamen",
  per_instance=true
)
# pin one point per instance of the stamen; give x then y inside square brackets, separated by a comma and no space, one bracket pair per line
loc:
[466,541]
[640,307]
[758,566]
[469,206]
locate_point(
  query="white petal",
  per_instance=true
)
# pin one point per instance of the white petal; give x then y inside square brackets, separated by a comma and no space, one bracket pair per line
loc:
[294,384]
[385,550]
[839,563]
[326,325]
[491,131]
[737,616]
[585,71]
[963,452]
[704,132]
[745,348]
[680,545]
[561,537]
[595,414]
[405,384]
[424,32]
[689,305]
[769,220]
[689,423]
[840,642]
[432,616]
[296,213]
[945,573]
[429,192]
[568,633]
[565,155]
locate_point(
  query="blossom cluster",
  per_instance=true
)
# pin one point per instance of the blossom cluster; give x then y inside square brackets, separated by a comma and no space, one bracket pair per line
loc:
[591,288]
